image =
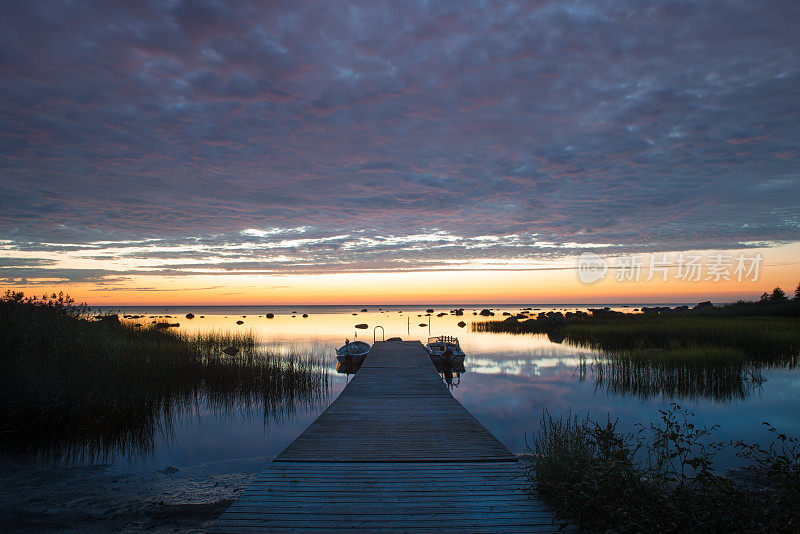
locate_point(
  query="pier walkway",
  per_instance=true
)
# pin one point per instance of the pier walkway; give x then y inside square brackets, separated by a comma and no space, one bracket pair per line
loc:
[395,452]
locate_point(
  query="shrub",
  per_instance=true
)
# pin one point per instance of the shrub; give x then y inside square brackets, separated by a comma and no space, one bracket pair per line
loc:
[660,478]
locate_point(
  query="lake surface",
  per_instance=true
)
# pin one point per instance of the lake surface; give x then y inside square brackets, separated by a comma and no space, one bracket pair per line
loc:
[509,381]
[204,455]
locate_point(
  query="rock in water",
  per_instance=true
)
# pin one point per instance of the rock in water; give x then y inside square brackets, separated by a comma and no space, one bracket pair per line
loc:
[706,304]
[190,316]
[362,326]
[270,315]
[240,322]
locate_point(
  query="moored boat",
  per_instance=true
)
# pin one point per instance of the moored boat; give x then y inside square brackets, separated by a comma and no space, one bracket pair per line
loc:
[352,352]
[445,350]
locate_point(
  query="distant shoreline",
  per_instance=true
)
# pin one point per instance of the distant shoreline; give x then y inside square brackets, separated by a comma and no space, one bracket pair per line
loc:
[376,307]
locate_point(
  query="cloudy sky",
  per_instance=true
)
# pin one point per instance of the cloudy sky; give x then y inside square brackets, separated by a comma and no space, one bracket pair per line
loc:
[235,147]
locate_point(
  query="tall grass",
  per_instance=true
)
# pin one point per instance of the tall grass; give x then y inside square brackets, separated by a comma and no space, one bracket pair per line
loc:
[662,478]
[73,386]
[681,355]
[764,339]
[646,376]
[759,338]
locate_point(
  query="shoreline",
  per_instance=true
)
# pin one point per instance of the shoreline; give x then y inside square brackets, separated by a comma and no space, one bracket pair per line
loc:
[39,497]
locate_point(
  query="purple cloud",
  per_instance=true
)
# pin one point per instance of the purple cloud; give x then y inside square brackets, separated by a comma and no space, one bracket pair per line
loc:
[670,124]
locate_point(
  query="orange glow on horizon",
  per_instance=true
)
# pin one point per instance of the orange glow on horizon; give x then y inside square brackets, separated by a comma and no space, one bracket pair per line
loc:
[553,283]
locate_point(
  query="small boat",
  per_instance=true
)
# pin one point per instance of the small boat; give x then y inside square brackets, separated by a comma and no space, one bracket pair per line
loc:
[445,350]
[352,352]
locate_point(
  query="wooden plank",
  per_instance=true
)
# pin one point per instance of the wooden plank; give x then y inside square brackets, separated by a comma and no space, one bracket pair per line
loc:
[394,452]
[396,408]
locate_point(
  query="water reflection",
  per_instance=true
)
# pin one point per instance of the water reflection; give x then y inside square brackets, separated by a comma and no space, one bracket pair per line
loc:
[720,383]
[451,372]
[257,386]
[348,368]
[513,378]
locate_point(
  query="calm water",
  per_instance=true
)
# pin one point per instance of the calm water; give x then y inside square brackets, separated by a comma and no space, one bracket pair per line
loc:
[509,381]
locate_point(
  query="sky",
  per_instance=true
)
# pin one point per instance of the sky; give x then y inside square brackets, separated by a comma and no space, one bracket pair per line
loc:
[334,152]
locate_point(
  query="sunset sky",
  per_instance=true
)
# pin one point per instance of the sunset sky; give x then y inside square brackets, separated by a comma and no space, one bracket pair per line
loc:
[403,152]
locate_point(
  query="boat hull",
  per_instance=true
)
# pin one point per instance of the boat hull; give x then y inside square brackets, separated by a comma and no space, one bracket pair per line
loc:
[440,357]
[457,359]
[353,352]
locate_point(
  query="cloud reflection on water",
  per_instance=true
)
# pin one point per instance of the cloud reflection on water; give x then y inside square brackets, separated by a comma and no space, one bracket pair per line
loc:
[509,379]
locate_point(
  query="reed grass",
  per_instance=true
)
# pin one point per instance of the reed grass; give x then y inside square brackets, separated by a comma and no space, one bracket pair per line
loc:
[76,387]
[713,339]
[662,477]
[680,375]
[710,354]
[678,337]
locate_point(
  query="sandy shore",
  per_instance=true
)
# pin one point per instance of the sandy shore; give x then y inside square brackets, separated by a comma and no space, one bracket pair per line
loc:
[37,497]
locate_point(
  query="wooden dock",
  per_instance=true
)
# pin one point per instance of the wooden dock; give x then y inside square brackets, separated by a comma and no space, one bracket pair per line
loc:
[394,452]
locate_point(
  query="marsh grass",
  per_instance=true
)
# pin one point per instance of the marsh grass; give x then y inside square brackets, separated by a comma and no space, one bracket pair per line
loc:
[679,336]
[646,378]
[711,355]
[662,477]
[711,338]
[75,387]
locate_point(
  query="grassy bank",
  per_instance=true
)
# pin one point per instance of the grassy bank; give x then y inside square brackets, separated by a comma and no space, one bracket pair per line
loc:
[674,338]
[662,478]
[73,385]
[687,337]
[706,352]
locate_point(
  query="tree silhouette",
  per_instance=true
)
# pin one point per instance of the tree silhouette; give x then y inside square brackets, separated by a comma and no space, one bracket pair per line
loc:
[778,295]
